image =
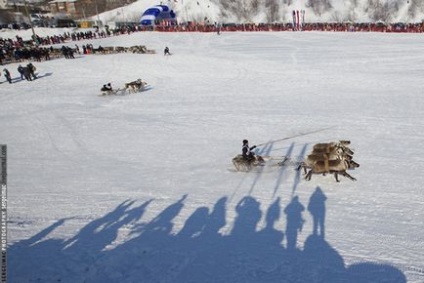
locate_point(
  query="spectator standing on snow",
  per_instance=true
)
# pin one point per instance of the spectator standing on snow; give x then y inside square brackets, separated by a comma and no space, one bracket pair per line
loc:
[21,71]
[166,51]
[32,69]
[7,75]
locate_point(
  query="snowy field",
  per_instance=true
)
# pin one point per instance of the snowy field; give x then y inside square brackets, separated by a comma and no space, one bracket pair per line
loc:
[141,188]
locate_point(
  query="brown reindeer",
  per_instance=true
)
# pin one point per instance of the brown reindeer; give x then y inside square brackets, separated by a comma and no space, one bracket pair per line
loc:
[332,146]
[135,86]
[322,156]
[332,166]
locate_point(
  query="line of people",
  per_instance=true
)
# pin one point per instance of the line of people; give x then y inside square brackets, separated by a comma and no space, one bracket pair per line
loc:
[27,72]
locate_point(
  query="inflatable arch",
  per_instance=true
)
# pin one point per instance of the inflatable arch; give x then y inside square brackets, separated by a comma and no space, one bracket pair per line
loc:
[157,13]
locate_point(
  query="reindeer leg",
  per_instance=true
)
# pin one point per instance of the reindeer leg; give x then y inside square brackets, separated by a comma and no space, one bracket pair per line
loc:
[336,175]
[299,167]
[344,173]
[309,175]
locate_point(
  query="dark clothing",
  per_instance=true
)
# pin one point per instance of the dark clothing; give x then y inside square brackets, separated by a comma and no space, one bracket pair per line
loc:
[21,72]
[106,88]
[7,75]
[31,69]
[27,73]
[166,51]
[246,152]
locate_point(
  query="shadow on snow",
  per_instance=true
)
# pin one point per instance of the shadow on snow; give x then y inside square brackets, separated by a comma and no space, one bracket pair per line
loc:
[198,252]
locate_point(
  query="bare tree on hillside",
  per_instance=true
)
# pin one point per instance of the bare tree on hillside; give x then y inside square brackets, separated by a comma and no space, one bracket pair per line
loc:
[379,10]
[245,10]
[415,7]
[226,6]
[255,6]
[320,6]
[272,11]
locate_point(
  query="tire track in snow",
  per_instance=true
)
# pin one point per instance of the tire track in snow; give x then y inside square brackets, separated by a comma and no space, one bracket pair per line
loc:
[51,140]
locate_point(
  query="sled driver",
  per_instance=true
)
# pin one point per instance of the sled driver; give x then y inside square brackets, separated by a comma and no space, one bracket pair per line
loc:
[247,152]
[107,87]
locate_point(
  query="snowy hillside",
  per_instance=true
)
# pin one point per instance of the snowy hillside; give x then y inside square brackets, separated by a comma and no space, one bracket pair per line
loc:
[141,188]
[248,11]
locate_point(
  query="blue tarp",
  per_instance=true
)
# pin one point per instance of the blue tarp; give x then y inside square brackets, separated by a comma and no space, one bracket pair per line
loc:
[157,13]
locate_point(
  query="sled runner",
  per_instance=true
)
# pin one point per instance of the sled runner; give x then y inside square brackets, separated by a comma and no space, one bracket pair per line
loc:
[113,92]
[244,165]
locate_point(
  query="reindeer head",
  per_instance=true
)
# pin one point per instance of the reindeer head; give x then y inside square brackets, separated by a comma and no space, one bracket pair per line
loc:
[352,164]
[345,149]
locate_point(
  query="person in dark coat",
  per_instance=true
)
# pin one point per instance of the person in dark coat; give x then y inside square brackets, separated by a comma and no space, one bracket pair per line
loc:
[166,51]
[7,75]
[21,71]
[27,73]
[246,151]
[32,69]
[248,155]
[107,87]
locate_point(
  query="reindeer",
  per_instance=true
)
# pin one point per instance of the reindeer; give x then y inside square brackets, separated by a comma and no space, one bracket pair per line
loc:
[120,49]
[315,156]
[135,86]
[340,143]
[332,166]
[138,49]
[337,154]
[330,148]
[108,49]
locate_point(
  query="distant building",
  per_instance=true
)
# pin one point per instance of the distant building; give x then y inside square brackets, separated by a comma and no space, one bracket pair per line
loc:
[72,8]
[81,9]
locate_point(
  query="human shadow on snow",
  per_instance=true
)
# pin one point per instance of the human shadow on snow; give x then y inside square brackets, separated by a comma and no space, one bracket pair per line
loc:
[203,250]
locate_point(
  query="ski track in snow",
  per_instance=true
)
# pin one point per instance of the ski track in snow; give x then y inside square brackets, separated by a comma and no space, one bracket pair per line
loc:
[140,188]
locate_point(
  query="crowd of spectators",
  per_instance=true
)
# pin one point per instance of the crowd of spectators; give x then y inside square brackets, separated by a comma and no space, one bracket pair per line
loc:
[38,47]
[325,27]
[17,49]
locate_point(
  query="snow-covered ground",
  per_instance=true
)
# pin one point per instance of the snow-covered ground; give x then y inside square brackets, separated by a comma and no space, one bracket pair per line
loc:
[141,188]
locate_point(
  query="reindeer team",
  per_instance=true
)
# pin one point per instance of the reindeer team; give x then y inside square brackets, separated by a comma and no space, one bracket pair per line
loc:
[334,157]
[131,87]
